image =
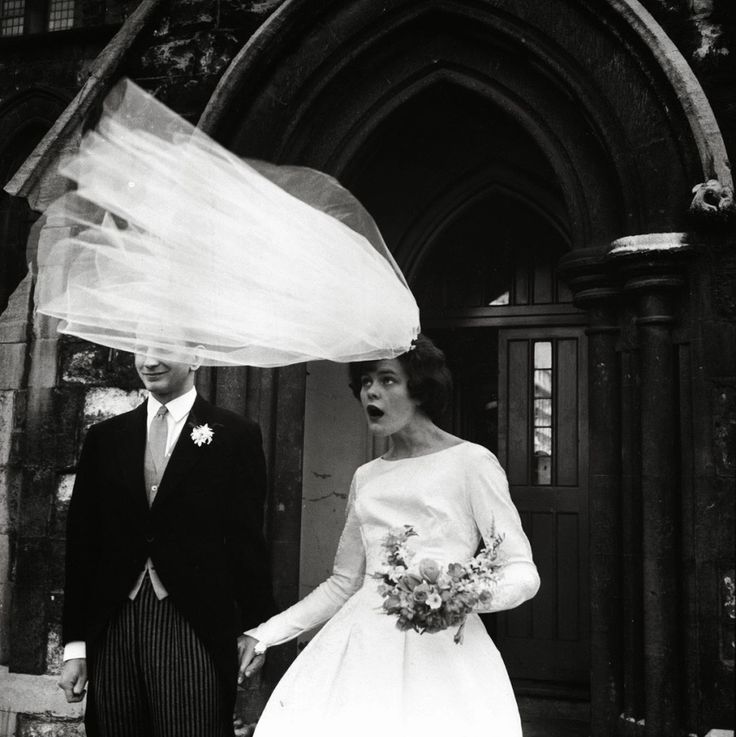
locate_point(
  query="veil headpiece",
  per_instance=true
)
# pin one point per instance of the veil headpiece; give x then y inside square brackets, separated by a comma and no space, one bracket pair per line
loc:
[171,240]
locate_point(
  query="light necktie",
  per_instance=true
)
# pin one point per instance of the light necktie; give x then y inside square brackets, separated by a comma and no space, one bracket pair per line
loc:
[158,434]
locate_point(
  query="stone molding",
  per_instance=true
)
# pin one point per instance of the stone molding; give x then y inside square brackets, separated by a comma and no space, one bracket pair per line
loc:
[66,132]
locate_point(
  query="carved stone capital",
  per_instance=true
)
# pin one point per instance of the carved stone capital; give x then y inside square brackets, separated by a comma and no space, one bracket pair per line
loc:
[652,265]
[651,260]
[589,276]
[712,204]
[594,286]
[649,245]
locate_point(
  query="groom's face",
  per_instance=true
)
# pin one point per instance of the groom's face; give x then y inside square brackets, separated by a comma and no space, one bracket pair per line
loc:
[166,378]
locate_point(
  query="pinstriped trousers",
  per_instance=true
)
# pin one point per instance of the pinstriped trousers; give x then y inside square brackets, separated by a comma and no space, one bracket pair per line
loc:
[152,677]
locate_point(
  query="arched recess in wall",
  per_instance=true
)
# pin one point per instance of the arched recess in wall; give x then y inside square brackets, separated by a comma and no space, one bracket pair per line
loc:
[24,120]
[601,91]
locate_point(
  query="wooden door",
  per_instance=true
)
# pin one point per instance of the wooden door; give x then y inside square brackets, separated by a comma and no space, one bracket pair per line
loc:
[542,446]
[521,392]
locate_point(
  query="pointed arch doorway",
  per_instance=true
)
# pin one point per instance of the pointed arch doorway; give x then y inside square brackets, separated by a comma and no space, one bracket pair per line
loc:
[484,226]
[480,225]
[480,256]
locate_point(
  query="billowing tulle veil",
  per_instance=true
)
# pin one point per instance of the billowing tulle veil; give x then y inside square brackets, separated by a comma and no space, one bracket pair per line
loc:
[171,240]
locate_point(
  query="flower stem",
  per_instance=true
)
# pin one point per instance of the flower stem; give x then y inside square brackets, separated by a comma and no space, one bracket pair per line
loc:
[459,634]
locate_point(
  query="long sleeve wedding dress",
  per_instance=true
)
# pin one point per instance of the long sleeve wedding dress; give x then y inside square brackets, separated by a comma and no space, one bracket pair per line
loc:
[361,675]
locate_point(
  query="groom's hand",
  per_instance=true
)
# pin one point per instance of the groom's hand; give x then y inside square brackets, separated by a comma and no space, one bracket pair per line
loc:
[250,662]
[73,679]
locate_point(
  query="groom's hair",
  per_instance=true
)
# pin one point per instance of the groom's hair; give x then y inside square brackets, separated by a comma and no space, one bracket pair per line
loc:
[429,379]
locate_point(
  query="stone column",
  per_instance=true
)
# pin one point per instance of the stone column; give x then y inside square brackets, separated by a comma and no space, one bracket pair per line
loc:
[593,288]
[651,266]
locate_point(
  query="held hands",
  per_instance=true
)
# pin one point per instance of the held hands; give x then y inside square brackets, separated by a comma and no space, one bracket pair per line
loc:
[73,679]
[250,661]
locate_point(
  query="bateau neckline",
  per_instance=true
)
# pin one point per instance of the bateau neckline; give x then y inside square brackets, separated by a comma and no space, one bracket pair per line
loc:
[425,455]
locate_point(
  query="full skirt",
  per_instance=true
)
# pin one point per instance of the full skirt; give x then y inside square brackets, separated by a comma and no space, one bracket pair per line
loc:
[362,676]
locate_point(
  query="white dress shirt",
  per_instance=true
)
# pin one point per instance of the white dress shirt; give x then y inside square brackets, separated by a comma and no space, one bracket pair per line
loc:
[176,417]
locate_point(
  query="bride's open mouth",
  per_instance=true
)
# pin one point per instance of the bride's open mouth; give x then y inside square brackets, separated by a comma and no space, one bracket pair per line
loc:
[373,412]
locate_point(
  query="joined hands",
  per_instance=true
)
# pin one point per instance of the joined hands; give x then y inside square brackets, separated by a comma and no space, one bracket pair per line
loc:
[250,661]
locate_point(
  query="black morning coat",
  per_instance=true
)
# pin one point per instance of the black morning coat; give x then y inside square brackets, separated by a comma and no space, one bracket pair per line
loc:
[203,531]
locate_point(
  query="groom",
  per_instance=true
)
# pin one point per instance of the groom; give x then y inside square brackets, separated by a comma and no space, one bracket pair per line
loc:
[166,565]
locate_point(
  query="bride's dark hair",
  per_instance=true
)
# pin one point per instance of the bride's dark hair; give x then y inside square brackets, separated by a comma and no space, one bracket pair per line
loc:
[429,379]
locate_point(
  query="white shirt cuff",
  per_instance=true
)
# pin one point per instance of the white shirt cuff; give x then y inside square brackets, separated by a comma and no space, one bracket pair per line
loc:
[75,649]
[261,646]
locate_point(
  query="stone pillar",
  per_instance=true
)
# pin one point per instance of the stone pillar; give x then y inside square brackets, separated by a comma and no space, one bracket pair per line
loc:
[13,368]
[594,289]
[285,505]
[652,269]
[631,523]
[275,399]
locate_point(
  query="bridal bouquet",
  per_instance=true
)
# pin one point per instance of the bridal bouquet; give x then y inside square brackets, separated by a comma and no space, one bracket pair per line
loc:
[424,597]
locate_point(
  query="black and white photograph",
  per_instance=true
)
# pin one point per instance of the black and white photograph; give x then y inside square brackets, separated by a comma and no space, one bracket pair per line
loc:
[367,368]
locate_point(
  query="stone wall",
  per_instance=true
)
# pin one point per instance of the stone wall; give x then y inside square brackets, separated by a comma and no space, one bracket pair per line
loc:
[713,337]
[705,33]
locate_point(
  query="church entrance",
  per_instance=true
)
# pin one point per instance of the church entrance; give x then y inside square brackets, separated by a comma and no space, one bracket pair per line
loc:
[517,349]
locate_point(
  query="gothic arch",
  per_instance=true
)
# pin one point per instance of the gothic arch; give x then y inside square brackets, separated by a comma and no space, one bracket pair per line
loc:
[597,87]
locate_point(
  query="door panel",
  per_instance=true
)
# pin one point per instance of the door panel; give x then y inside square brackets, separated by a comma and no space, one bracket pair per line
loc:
[497,404]
[541,411]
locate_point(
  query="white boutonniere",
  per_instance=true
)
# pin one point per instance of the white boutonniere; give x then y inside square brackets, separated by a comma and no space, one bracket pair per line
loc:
[202,435]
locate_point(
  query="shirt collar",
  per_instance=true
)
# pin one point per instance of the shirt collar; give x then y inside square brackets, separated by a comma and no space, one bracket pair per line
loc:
[179,408]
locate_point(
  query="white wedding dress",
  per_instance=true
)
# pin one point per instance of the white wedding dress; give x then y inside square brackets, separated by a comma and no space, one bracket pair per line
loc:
[361,675]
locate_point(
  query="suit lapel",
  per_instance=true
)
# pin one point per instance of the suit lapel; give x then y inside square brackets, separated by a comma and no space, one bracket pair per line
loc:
[185,454]
[131,448]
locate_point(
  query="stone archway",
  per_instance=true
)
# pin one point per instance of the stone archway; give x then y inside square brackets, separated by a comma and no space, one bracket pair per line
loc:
[613,114]
[319,77]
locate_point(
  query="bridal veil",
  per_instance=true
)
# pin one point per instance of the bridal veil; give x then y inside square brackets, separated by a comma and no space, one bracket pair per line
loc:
[170,239]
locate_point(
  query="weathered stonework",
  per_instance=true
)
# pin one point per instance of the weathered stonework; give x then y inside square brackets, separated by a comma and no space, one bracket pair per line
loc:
[7,409]
[94,365]
[36,703]
[12,365]
[103,403]
[54,649]
[30,725]
[728,617]
[724,429]
[64,489]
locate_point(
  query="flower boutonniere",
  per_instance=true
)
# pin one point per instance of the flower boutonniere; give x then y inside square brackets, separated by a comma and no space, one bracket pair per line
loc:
[202,435]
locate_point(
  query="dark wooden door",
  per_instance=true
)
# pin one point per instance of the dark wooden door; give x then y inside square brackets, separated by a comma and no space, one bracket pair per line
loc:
[542,446]
[521,392]
[491,298]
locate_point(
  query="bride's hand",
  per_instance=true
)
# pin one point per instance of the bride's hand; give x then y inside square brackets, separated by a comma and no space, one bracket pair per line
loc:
[250,661]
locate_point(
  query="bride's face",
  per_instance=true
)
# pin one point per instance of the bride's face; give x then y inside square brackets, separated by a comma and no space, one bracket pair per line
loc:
[384,394]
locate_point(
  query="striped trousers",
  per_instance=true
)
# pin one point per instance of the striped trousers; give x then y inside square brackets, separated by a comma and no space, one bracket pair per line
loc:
[152,677]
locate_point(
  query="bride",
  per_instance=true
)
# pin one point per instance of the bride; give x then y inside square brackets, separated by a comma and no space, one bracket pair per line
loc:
[361,675]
